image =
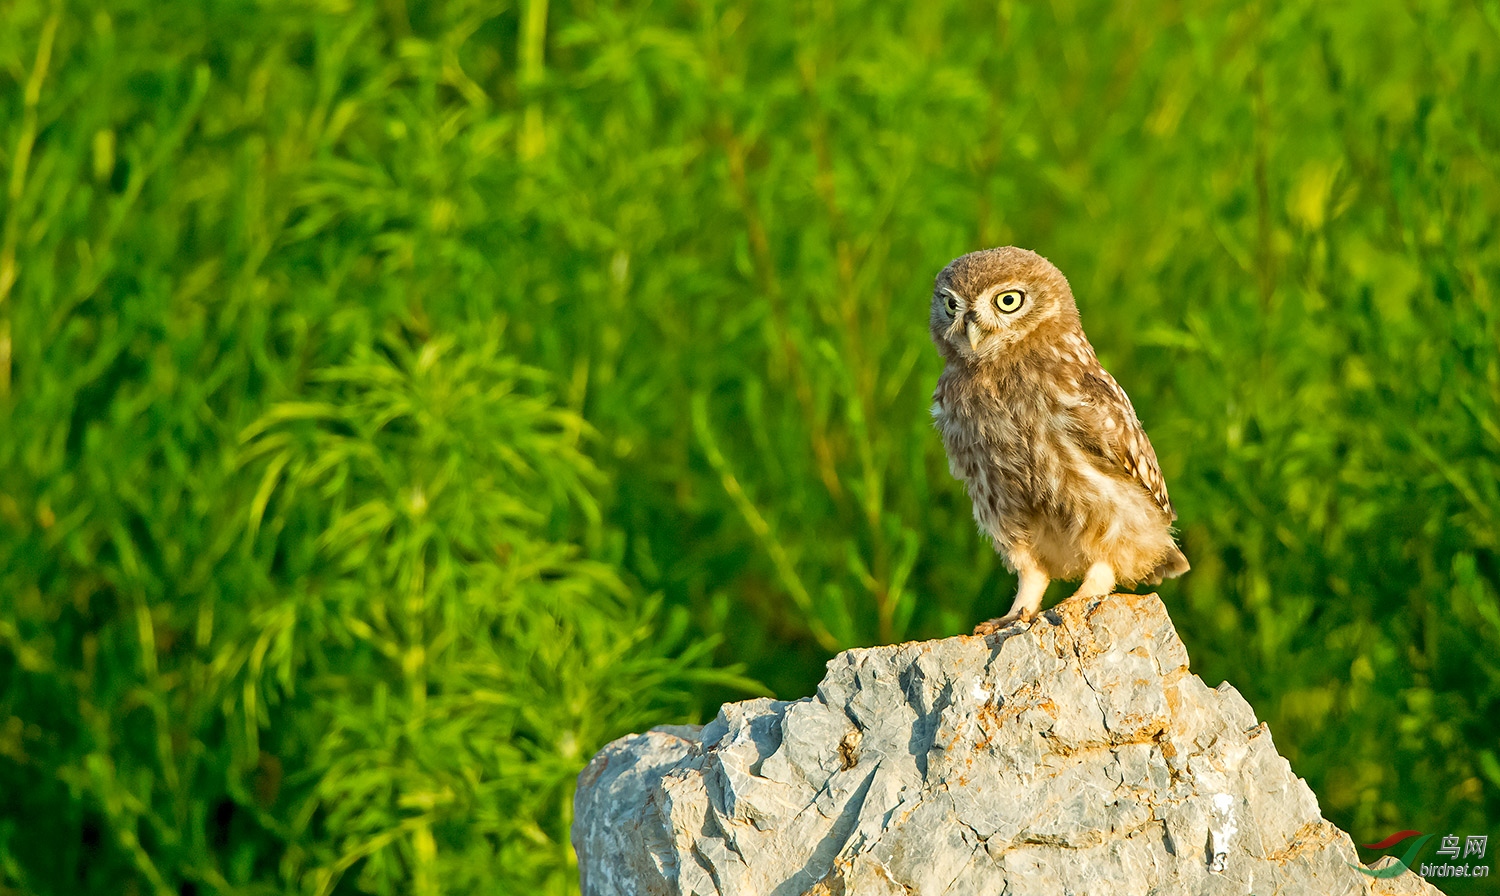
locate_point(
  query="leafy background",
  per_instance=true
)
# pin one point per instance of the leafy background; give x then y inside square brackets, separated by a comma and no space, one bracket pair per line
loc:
[400,400]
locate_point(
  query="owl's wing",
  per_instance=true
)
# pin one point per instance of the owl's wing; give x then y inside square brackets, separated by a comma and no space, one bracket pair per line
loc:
[1105,425]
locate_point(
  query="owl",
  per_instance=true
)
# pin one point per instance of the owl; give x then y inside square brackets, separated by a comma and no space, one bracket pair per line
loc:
[1061,475]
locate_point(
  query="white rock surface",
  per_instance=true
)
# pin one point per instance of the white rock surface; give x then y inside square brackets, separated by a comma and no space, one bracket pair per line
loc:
[1077,756]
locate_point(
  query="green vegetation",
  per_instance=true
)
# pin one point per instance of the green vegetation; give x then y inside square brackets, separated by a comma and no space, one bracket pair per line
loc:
[400,400]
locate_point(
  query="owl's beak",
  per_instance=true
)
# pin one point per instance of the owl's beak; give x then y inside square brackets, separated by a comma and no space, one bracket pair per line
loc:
[974,334]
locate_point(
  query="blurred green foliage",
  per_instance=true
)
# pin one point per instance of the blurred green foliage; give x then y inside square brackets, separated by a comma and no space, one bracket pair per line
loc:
[399,400]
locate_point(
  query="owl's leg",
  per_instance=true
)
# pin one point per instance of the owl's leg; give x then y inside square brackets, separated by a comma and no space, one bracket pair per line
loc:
[1028,600]
[1098,581]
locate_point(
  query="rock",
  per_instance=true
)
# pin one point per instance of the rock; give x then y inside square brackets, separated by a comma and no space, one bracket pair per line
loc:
[1075,756]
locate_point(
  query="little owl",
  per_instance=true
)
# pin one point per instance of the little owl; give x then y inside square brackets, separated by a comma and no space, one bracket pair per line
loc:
[1061,474]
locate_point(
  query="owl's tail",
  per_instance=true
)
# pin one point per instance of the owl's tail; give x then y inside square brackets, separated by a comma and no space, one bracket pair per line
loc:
[1171,566]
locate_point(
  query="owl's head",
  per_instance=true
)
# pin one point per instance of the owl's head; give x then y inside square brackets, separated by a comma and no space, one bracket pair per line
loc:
[986,304]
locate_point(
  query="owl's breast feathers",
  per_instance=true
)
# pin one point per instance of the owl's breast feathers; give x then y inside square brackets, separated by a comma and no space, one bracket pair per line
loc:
[999,432]
[1001,429]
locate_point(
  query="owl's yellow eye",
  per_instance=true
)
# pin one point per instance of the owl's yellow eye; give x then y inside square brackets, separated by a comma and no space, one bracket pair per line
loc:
[952,303]
[1010,301]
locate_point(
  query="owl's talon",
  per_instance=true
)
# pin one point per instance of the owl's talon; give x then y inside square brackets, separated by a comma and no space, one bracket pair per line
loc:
[1098,582]
[990,626]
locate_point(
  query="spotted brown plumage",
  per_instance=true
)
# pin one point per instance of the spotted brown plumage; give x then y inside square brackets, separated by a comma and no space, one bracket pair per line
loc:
[1107,425]
[1059,470]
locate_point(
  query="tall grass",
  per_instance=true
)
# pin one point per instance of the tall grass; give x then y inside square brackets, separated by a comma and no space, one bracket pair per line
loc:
[399,400]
